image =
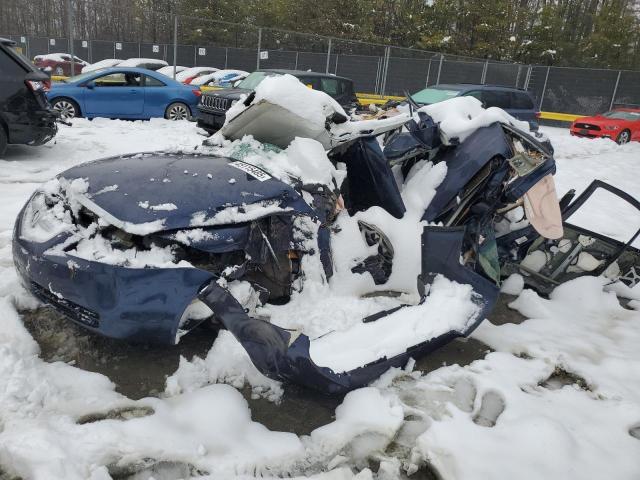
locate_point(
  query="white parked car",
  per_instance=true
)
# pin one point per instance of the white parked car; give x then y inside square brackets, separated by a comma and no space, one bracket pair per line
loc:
[221,78]
[187,76]
[168,70]
[106,63]
[149,63]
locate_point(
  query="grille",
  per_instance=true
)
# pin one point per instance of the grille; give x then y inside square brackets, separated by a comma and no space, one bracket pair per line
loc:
[67,307]
[587,126]
[215,102]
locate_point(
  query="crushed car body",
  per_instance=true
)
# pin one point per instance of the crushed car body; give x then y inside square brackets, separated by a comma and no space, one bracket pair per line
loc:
[331,249]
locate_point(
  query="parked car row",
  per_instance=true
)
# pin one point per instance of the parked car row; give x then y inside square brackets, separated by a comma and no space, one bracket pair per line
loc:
[143,88]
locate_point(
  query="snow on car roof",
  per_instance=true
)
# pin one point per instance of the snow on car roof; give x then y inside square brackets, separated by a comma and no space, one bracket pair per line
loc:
[58,57]
[106,63]
[233,75]
[189,72]
[135,62]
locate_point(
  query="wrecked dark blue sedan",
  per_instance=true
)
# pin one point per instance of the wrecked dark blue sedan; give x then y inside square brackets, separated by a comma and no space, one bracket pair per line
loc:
[329,255]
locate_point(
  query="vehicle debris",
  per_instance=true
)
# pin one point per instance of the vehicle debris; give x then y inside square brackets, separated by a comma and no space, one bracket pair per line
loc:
[298,208]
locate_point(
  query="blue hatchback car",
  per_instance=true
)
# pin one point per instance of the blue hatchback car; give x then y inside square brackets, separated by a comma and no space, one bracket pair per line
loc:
[516,102]
[131,93]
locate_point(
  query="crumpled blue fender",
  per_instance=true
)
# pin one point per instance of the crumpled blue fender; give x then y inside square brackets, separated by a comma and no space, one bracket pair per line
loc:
[279,354]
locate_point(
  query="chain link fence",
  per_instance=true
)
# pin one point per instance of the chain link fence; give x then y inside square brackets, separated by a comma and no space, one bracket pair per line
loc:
[374,68]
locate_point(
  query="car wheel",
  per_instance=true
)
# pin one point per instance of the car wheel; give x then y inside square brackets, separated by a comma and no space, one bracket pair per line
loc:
[3,141]
[624,137]
[66,107]
[177,111]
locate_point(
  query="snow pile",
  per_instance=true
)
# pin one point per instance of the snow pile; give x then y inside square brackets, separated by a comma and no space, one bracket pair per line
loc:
[289,93]
[448,307]
[459,117]
[226,362]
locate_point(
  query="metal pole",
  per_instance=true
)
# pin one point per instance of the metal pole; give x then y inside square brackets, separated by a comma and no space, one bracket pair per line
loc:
[615,90]
[386,69]
[195,56]
[259,48]
[336,66]
[518,75]
[483,77]
[428,73]
[326,70]
[139,50]
[376,89]
[527,78]
[544,88]
[296,67]
[175,45]
[70,19]
[226,56]
[439,69]
[28,48]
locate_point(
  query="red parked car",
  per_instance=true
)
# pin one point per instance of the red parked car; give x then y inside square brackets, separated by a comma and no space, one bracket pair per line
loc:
[620,124]
[59,63]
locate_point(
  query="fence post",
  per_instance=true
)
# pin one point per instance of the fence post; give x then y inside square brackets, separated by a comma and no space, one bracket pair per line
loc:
[544,88]
[326,70]
[296,67]
[335,71]
[259,48]
[439,69]
[70,20]
[426,85]
[484,72]
[385,68]
[615,90]
[226,56]
[376,89]
[195,55]
[175,45]
[527,78]
[28,48]
[518,76]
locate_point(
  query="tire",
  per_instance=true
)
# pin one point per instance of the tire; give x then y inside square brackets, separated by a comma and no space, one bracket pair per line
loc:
[177,111]
[67,107]
[3,141]
[624,137]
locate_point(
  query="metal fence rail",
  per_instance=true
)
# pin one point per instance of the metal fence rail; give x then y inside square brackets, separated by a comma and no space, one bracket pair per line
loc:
[375,69]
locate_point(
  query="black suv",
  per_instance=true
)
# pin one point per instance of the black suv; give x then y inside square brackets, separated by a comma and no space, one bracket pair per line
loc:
[214,105]
[25,114]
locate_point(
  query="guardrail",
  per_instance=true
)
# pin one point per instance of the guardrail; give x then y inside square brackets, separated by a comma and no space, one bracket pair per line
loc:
[366,99]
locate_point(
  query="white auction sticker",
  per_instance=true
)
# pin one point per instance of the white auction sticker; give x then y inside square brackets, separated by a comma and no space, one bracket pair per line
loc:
[202,51]
[118,46]
[155,48]
[252,170]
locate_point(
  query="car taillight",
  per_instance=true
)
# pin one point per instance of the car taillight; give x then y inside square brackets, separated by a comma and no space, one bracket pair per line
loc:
[39,86]
[197,92]
[537,114]
[188,80]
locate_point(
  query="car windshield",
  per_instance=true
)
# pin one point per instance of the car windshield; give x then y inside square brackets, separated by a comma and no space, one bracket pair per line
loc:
[252,81]
[622,115]
[433,95]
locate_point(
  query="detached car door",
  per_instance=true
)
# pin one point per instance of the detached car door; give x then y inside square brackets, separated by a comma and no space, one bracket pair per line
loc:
[117,95]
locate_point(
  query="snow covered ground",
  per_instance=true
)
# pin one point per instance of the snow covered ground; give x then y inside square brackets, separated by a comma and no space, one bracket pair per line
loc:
[558,397]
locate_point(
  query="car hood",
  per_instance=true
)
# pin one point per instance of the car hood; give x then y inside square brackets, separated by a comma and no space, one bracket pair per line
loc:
[599,120]
[153,192]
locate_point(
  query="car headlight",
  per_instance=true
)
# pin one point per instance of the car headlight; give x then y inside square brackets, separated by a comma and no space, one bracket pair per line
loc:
[611,127]
[43,220]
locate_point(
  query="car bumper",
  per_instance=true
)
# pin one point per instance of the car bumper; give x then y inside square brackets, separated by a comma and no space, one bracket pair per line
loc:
[211,120]
[138,304]
[580,132]
[35,128]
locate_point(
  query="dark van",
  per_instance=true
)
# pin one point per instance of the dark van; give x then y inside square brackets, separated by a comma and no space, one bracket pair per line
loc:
[25,114]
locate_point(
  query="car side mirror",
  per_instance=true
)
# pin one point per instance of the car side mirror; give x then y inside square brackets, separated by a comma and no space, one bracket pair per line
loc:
[91,85]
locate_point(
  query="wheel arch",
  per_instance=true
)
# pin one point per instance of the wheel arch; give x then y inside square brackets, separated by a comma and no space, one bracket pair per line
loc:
[68,97]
